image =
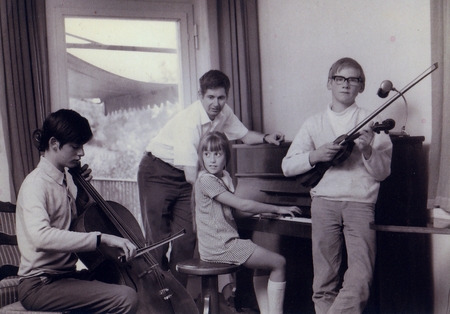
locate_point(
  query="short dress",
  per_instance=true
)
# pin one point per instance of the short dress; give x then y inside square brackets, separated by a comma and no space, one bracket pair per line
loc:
[218,239]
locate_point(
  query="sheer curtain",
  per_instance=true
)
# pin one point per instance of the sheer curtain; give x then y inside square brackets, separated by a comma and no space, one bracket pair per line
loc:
[238,46]
[26,90]
[239,58]
[439,183]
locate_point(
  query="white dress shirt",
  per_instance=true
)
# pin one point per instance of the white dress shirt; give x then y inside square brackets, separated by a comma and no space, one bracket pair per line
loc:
[178,140]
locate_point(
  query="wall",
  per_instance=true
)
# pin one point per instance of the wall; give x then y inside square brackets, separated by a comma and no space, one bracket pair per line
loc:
[300,40]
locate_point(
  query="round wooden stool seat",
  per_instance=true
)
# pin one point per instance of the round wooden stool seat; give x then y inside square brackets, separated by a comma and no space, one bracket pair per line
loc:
[198,267]
[208,272]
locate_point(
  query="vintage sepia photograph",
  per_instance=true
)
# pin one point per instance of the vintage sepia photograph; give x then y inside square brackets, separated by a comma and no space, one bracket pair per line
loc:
[225,156]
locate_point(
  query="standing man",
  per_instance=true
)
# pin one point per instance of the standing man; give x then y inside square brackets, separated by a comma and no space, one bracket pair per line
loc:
[168,169]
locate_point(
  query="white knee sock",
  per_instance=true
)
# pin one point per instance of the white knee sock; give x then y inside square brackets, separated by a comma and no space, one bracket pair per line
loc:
[275,295]
[260,286]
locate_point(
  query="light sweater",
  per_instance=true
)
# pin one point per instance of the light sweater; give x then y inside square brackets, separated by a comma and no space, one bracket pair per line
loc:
[44,214]
[355,179]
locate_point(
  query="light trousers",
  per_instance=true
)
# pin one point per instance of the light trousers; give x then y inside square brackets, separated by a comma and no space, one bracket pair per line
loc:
[335,224]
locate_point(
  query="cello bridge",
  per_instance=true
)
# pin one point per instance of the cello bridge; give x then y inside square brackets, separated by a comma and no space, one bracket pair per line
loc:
[164,293]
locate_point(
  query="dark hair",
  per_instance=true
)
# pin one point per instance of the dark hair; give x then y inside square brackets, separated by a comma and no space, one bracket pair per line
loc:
[66,125]
[214,142]
[214,79]
[348,63]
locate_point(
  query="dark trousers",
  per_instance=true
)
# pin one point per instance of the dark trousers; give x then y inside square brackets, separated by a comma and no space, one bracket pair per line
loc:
[165,198]
[76,293]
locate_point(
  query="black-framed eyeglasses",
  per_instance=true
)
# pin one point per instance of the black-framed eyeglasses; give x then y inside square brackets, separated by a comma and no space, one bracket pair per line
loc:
[354,81]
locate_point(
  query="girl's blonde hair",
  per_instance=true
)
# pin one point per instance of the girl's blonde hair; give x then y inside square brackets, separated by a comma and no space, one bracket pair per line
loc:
[214,141]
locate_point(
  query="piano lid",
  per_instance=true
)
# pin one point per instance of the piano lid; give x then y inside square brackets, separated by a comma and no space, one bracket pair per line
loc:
[262,159]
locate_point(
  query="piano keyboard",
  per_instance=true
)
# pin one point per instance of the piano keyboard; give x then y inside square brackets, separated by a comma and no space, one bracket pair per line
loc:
[295,219]
[295,226]
[285,218]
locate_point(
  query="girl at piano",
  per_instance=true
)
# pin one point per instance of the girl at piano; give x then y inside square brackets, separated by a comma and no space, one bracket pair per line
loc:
[218,238]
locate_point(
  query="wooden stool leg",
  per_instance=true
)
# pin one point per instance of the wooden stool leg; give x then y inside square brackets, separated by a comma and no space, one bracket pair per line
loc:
[206,304]
[209,288]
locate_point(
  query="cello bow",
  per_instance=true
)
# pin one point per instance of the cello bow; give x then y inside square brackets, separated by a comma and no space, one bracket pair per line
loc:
[158,290]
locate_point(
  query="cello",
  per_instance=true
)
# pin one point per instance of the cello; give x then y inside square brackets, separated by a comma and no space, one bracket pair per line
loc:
[158,290]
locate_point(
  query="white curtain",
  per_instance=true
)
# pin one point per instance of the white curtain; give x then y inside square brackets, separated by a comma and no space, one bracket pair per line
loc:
[439,180]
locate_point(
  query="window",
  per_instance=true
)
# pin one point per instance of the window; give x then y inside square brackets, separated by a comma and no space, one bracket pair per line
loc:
[126,68]
[127,86]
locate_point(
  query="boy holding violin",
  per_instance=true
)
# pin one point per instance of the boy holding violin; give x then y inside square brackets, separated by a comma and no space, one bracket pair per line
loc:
[45,210]
[343,201]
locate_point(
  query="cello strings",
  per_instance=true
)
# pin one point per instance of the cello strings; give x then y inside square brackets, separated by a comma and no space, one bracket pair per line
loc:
[116,219]
[118,222]
[126,232]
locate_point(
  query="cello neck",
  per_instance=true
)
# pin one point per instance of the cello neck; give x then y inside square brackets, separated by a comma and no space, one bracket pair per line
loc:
[104,206]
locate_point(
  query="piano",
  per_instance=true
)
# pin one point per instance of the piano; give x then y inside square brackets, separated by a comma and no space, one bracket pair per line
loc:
[260,178]
[403,266]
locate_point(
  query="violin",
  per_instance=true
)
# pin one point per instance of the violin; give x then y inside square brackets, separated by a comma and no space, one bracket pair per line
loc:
[158,290]
[313,176]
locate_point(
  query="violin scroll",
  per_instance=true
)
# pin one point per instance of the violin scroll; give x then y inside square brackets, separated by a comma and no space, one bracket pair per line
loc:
[384,126]
[377,127]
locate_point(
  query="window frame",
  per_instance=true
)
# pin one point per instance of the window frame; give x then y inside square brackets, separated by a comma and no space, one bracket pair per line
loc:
[57,10]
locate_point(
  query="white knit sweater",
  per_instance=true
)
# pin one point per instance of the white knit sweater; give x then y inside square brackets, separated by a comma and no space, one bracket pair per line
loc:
[355,179]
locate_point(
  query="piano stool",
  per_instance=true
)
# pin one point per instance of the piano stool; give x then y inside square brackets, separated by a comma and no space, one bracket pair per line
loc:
[209,273]
[17,308]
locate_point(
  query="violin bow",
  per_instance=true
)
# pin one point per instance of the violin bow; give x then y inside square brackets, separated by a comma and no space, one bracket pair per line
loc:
[148,248]
[391,100]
